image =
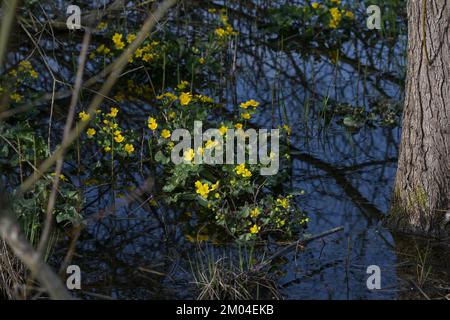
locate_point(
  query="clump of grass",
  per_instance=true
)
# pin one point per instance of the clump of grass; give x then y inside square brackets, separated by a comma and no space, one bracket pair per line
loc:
[423,268]
[231,276]
[12,273]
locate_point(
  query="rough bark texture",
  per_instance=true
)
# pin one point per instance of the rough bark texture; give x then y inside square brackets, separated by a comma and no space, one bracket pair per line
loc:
[422,189]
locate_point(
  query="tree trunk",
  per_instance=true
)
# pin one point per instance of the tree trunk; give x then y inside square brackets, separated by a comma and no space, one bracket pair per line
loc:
[422,187]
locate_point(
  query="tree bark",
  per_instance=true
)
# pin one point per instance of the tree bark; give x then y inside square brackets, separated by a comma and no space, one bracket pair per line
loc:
[422,187]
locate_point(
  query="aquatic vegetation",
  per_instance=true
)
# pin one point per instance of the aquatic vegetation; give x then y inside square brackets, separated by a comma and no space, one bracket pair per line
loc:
[219,195]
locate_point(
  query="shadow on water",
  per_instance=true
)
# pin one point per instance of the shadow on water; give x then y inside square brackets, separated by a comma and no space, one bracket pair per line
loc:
[344,160]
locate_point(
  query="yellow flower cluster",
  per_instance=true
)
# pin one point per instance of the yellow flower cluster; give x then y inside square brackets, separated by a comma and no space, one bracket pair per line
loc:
[249,103]
[283,202]
[243,171]
[110,131]
[117,39]
[203,189]
[146,53]
[102,49]
[226,30]
[336,17]
[168,95]
[204,99]
[25,66]
[16,97]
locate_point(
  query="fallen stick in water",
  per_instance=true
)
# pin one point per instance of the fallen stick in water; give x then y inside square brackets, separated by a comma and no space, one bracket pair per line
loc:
[294,245]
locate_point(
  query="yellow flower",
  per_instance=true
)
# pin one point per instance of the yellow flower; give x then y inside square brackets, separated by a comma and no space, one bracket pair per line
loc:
[246,116]
[131,37]
[204,99]
[119,97]
[189,155]
[200,151]
[24,65]
[249,103]
[220,32]
[61,177]
[107,149]
[287,129]
[283,203]
[148,57]
[215,186]
[117,39]
[223,129]
[185,98]
[129,148]
[33,74]
[168,95]
[103,49]
[139,52]
[16,97]
[349,14]
[255,229]
[202,189]
[255,212]
[119,138]
[102,26]
[91,132]
[211,144]
[84,116]
[336,17]
[201,60]
[182,85]
[172,115]
[338,2]
[315,5]
[152,123]
[243,171]
[247,173]
[165,134]
[238,125]
[113,113]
